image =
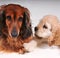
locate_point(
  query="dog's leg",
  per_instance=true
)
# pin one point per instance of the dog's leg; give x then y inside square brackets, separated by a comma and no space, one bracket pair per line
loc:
[51,39]
[30,46]
[22,50]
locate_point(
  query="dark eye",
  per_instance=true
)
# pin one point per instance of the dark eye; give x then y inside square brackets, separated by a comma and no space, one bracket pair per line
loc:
[44,26]
[20,19]
[30,25]
[9,18]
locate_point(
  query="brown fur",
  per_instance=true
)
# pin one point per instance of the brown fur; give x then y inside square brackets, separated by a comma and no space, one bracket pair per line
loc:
[7,43]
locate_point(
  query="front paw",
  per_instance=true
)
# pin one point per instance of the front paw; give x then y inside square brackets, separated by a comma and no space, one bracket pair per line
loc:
[51,43]
[22,51]
[30,46]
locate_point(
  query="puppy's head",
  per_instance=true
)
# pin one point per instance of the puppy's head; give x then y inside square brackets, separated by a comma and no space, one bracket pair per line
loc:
[46,26]
[16,21]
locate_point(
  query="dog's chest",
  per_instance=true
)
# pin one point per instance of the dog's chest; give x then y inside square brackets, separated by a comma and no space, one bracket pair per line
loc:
[12,44]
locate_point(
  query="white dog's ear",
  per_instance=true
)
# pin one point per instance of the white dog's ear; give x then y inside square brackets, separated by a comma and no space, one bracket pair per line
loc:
[48,25]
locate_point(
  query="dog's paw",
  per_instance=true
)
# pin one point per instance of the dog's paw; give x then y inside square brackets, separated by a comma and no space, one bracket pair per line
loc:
[30,46]
[22,51]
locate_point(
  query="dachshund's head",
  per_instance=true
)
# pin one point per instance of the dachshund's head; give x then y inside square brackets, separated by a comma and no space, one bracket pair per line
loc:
[15,20]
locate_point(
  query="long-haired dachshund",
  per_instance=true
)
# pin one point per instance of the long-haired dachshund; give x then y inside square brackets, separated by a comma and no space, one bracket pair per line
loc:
[15,28]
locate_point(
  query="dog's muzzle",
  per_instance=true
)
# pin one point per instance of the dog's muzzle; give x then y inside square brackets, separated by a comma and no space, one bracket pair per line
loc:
[14,33]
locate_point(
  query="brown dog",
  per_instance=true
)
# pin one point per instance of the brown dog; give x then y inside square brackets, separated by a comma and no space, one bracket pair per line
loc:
[48,30]
[15,28]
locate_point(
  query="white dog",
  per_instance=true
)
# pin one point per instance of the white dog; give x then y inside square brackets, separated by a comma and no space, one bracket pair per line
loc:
[48,30]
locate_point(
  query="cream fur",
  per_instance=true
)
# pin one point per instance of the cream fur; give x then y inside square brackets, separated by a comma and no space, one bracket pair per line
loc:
[44,34]
[52,33]
[30,46]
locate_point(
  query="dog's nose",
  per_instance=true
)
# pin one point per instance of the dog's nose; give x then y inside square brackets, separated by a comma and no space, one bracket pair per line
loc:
[36,29]
[14,33]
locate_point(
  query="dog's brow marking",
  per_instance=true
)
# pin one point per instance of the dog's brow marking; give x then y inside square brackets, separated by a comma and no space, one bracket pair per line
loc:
[14,16]
[14,12]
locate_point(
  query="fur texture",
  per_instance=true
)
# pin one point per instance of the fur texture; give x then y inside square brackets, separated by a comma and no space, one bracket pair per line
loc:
[48,30]
[15,27]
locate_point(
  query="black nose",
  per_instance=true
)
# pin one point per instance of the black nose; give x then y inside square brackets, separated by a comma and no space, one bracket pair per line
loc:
[14,33]
[36,29]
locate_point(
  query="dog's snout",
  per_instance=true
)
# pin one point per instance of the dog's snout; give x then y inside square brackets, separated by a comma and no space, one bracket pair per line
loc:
[36,29]
[14,33]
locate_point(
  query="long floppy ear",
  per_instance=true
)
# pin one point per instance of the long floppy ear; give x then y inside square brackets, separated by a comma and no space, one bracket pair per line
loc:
[2,15]
[2,19]
[26,30]
[1,22]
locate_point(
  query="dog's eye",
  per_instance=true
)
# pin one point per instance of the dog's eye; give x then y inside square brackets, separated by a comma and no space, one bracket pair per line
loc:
[30,25]
[44,26]
[20,19]
[9,18]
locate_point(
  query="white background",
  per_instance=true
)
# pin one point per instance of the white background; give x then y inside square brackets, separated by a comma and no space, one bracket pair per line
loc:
[38,9]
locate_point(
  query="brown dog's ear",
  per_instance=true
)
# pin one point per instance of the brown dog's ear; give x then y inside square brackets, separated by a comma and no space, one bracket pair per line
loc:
[1,22]
[2,19]
[26,30]
[2,14]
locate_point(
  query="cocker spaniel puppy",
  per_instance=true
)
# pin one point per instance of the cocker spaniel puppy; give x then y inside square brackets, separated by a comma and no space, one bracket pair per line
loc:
[15,28]
[48,30]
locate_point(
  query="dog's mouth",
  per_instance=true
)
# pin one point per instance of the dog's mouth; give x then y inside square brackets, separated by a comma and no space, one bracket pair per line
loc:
[14,33]
[38,36]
